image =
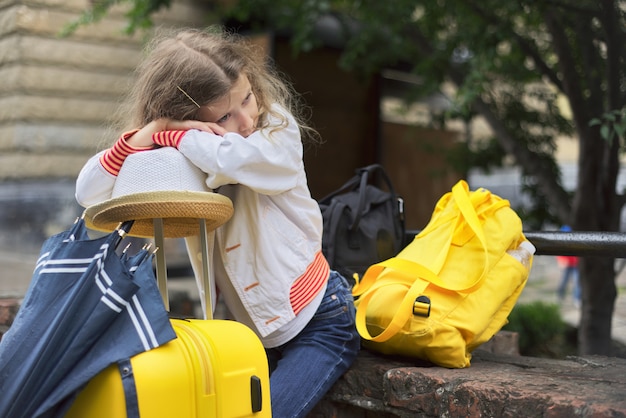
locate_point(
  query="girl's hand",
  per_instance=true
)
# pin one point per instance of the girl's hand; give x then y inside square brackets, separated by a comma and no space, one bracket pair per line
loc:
[185,125]
[143,137]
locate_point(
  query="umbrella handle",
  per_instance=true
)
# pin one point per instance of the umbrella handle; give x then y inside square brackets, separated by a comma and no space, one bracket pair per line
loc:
[122,229]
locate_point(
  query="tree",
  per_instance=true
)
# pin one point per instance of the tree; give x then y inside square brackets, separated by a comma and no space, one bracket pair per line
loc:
[510,61]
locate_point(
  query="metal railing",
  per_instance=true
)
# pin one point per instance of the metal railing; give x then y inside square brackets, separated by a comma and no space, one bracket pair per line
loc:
[605,244]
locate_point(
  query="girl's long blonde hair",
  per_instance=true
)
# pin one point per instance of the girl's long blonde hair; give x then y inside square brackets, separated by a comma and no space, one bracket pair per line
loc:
[193,67]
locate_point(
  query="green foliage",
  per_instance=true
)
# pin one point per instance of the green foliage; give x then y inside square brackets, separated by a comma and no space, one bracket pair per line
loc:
[497,54]
[612,126]
[542,331]
[139,16]
[264,14]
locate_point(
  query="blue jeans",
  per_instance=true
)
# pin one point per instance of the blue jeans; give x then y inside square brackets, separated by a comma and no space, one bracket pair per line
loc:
[569,273]
[305,368]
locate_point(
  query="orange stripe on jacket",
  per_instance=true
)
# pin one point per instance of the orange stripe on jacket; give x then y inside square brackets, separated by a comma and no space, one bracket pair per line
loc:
[307,286]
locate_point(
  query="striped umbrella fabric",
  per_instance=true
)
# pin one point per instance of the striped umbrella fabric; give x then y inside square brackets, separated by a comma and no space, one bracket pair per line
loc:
[86,308]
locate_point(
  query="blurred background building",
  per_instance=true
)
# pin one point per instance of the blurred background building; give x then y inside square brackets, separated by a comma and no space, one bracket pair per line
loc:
[57,96]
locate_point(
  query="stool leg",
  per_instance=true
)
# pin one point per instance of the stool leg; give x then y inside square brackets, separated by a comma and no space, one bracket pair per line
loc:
[161,268]
[206,278]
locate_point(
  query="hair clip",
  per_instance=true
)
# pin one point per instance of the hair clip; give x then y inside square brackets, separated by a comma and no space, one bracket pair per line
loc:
[188,96]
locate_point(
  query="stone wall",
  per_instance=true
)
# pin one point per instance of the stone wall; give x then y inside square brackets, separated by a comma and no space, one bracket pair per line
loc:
[495,385]
[57,96]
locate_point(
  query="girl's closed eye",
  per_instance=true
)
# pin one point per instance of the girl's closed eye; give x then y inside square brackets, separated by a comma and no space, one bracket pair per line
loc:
[237,111]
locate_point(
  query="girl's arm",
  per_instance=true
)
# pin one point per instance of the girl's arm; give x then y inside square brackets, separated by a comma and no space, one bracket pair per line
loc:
[95,181]
[94,184]
[144,136]
[268,162]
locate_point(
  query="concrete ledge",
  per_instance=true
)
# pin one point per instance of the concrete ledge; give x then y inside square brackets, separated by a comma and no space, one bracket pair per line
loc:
[493,386]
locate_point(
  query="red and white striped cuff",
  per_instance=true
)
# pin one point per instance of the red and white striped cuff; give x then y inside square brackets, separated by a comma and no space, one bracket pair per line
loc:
[114,157]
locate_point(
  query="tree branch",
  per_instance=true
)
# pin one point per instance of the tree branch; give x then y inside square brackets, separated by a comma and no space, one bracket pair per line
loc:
[558,198]
[527,46]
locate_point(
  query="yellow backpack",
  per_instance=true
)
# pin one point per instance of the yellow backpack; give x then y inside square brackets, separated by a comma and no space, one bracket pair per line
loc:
[452,288]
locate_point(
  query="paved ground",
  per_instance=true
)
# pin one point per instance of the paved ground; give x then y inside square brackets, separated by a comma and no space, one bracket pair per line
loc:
[15,273]
[16,269]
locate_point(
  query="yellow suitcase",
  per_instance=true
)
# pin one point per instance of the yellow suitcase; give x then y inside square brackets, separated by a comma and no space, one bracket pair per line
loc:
[215,368]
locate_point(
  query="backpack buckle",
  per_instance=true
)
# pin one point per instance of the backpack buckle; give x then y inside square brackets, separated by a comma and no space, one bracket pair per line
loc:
[421,306]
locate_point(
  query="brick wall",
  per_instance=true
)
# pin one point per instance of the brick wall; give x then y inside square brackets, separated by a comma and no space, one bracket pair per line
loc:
[56,94]
[56,97]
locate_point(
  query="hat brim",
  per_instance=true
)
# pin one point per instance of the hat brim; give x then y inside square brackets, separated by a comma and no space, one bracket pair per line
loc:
[179,209]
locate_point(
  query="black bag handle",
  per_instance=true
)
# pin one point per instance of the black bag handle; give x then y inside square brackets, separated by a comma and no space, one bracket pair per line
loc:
[358,180]
[361,179]
[364,174]
[349,185]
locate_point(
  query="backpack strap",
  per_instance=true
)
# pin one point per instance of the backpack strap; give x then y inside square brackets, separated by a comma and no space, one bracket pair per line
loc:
[334,212]
[365,173]
[460,192]
[130,389]
[404,310]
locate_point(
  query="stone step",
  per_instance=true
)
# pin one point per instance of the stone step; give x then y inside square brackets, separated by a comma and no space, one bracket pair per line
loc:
[493,386]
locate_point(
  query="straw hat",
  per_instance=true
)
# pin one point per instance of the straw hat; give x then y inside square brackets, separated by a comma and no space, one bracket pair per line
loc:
[160,183]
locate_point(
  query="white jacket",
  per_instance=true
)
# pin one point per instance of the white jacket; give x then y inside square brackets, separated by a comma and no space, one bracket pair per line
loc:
[269,252]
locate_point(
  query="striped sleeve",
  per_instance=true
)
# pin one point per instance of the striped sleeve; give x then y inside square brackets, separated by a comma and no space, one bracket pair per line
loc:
[114,157]
[168,138]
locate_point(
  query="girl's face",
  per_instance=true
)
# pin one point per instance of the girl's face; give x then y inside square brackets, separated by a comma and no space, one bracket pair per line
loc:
[237,111]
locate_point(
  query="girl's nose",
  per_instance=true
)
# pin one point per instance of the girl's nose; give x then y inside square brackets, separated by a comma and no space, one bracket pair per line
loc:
[246,123]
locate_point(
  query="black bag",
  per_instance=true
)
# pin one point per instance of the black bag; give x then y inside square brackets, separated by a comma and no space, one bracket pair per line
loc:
[362,223]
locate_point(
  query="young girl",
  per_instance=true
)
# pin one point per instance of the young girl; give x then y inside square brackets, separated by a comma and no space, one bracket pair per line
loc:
[211,97]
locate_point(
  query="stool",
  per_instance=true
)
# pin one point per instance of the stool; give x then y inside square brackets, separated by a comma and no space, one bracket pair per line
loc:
[161,267]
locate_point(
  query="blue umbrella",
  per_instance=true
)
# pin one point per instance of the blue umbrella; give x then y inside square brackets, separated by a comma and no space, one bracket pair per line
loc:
[86,308]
